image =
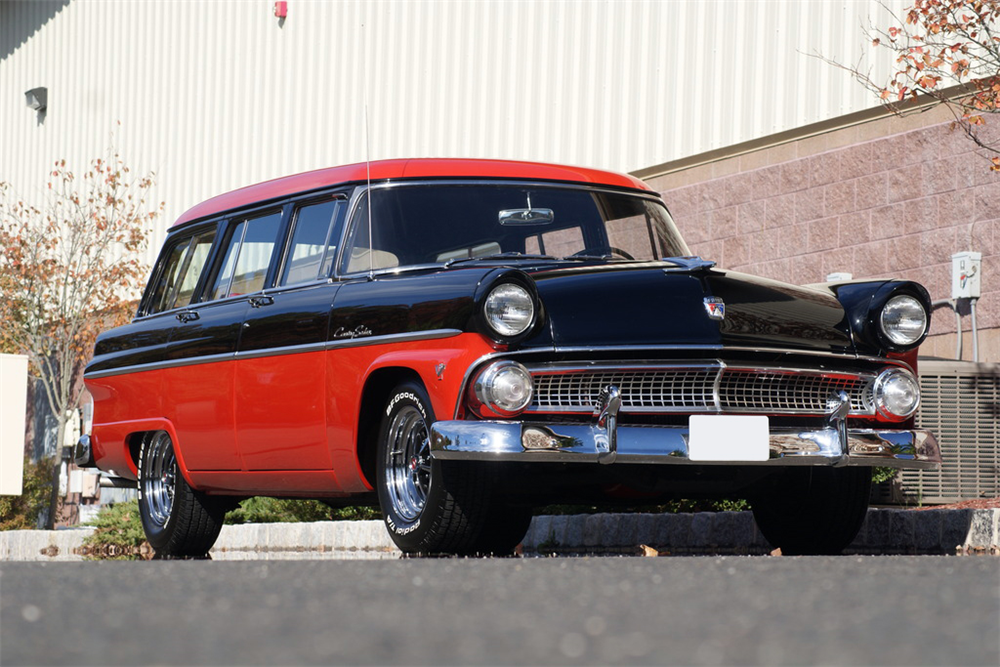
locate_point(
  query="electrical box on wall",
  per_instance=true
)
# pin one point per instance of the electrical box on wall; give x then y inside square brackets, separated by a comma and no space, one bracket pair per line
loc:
[966,274]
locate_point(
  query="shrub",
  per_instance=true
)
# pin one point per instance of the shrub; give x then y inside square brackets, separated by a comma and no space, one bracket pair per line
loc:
[289,510]
[22,512]
[118,534]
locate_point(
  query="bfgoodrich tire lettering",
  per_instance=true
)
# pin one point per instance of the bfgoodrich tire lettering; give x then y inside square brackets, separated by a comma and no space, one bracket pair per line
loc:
[178,521]
[813,511]
[432,506]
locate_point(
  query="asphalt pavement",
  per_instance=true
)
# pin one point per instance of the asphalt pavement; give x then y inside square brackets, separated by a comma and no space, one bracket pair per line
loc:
[726,610]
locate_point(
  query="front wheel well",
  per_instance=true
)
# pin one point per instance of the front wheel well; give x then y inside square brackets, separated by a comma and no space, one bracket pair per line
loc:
[376,392]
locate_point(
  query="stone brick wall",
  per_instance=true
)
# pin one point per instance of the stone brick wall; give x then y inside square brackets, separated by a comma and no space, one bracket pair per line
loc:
[887,198]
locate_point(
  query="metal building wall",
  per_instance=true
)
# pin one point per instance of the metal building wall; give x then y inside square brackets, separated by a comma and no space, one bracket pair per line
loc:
[213,95]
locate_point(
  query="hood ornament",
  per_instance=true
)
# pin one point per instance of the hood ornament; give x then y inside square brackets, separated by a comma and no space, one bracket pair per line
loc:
[715,307]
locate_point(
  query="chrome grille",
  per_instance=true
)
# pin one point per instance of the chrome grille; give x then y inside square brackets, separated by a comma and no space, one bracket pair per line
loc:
[686,389]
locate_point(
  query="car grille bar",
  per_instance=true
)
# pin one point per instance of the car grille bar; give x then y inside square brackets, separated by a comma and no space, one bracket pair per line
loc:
[708,388]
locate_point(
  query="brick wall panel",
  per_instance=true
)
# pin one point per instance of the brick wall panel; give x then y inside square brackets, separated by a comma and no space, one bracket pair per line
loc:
[855,228]
[873,191]
[937,246]
[871,259]
[780,211]
[752,217]
[939,176]
[888,153]
[956,208]
[737,250]
[906,183]
[891,206]
[840,197]
[740,190]
[794,176]
[823,234]
[839,260]
[987,201]
[905,252]
[722,223]
[855,161]
[810,204]
[766,182]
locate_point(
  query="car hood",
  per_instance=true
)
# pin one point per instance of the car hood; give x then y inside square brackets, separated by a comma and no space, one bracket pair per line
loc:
[660,304]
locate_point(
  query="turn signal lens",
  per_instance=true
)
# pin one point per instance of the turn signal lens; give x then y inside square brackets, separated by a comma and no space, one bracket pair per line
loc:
[897,394]
[505,388]
[903,320]
[509,310]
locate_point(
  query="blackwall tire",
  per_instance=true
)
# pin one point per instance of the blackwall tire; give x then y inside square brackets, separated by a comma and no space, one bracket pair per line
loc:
[179,522]
[813,511]
[429,506]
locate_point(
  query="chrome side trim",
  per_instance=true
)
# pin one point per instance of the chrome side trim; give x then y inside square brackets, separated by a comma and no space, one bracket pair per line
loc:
[280,351]
[584,442]
[161,365]
[432,334]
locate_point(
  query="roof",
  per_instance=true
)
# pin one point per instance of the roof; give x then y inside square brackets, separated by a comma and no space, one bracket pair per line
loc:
[383,170]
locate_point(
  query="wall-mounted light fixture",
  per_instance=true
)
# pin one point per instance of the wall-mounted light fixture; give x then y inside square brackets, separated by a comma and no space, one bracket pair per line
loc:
[37,98]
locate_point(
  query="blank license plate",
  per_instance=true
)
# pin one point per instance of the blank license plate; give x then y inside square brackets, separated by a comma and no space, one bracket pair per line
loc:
[728,438]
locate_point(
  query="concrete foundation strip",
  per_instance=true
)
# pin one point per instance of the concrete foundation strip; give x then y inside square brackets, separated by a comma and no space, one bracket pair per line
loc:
[885,531]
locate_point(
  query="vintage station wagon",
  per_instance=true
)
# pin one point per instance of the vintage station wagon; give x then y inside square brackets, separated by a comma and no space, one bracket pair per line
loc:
[461,341]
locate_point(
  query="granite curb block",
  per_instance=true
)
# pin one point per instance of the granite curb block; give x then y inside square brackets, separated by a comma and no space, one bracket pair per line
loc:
[885,531]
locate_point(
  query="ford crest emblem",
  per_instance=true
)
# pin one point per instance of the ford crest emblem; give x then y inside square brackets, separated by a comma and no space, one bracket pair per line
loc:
[715,308]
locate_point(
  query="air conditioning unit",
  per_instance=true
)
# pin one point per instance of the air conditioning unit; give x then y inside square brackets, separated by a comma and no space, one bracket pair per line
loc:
[960,404]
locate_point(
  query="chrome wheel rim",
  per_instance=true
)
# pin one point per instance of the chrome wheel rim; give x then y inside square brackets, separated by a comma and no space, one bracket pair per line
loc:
[408,465]
[159,477]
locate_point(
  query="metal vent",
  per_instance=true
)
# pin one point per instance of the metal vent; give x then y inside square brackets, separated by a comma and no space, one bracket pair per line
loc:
[960,405]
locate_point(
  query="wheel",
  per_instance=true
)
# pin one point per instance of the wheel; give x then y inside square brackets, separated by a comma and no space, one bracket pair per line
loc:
[178,521]
[432,506]
[813,511]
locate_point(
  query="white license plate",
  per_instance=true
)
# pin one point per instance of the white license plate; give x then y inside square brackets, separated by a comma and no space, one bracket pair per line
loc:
[728,438]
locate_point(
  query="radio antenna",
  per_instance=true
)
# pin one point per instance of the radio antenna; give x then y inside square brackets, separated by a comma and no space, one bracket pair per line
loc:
[368,175]
[368,160]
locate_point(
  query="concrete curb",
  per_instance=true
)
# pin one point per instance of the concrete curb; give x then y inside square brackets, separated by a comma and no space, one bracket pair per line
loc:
[885,531]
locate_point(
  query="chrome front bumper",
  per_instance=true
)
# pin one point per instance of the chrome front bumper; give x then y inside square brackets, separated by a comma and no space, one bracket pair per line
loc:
[565,443]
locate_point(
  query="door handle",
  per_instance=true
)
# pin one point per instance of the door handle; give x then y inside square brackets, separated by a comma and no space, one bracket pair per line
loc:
[258,301]
[186,316]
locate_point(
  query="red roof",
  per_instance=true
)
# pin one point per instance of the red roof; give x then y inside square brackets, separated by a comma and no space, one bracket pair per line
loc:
[397,169]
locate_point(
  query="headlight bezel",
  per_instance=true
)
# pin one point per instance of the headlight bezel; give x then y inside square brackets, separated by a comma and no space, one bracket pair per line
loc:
[484,390]
[897,338]
[518,291]
[884,388]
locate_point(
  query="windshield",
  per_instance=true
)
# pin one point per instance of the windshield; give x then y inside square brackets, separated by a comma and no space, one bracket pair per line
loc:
[446,223]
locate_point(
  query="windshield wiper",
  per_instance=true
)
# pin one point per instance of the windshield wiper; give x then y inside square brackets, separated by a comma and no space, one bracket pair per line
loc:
[499,255]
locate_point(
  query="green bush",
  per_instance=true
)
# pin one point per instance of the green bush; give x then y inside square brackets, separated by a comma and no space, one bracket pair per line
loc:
[288,510]
[21,512]
[670,507]
[118,534]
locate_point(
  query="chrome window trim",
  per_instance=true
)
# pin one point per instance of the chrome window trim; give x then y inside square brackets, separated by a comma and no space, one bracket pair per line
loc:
[277,352]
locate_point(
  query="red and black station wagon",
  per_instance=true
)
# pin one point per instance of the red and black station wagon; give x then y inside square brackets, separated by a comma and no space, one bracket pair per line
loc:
[463,340]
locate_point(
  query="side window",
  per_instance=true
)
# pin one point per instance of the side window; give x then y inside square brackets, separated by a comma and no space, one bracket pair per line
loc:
[183,267]
[311,251]
[247,256]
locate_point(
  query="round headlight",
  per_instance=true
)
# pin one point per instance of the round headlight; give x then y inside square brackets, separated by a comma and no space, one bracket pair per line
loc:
[505,387]
[896,393]
[509,309]
[903,320]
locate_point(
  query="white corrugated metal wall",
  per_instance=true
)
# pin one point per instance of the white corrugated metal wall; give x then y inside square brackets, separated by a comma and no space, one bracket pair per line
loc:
[213,95]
